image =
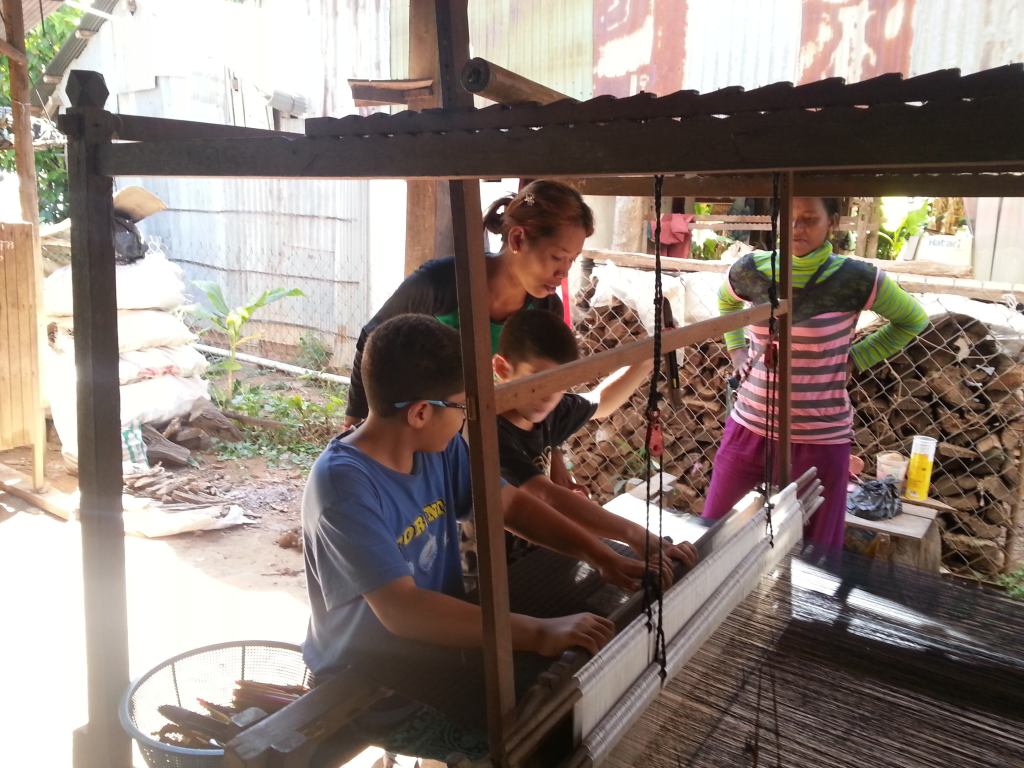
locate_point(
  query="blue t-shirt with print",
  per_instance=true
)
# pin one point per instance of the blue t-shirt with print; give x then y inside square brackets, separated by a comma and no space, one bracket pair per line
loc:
[364,525]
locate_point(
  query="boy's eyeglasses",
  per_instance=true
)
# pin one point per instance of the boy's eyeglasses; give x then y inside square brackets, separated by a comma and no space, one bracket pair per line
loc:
[437,403]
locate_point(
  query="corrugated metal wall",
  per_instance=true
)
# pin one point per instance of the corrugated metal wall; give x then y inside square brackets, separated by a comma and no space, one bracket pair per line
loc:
[253,235]
[968,35]
[551,43]
[736,42]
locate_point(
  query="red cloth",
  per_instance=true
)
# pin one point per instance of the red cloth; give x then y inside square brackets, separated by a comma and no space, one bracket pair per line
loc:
[675,233]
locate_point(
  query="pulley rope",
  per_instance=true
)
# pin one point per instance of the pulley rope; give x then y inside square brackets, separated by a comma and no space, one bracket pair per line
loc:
[654,447]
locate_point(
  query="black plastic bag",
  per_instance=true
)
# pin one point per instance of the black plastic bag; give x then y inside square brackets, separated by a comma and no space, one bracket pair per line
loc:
[875,500]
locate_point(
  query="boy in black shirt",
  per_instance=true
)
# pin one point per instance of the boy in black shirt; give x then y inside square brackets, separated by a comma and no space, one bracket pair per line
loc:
[532,342]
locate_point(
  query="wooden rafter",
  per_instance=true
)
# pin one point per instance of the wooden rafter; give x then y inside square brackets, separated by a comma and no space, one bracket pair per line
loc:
[378,93]
[888,136]
[813,184]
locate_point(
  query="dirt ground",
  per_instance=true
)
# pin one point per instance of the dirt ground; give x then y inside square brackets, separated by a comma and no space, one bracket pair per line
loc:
[248,557]
[184,591]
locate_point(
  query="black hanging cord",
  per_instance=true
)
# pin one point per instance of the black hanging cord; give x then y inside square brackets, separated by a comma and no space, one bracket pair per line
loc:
[655,444]
[771,364]
[753,745]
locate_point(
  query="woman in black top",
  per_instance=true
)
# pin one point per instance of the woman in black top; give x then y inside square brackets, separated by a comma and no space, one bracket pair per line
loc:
[542,231]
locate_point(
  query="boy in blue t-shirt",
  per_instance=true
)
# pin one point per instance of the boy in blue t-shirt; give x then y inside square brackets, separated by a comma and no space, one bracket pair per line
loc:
[381,545]
[532,342]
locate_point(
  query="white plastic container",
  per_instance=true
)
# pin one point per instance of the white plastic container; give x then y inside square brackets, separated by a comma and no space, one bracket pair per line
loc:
[891,464]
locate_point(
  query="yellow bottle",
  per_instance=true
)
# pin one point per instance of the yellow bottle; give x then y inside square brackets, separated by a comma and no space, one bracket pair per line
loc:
[919,473]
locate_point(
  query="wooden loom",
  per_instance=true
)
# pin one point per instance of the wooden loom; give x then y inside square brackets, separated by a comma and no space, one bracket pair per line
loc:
[813,135]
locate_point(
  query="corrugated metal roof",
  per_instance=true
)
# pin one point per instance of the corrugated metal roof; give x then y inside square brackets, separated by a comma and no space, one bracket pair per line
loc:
[71,50]
[30,13]
[551,43]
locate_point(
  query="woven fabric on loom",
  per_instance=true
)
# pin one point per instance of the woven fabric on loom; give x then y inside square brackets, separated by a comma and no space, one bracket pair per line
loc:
[874,666]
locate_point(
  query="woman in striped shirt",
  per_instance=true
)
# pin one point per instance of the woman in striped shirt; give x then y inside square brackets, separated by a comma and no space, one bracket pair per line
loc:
[829,292]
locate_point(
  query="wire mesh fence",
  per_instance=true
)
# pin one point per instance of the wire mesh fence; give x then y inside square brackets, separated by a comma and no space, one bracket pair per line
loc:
[959,382]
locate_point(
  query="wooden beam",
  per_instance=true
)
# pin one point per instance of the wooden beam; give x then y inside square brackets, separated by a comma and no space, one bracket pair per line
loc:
[143,128]
[375,93]
[747,143]
[401,85]
[909,281]
[486,79]
[370,96]
[428,214]
[475,330]
[539,385]
[293,730]
[944,184]
[11,51]
[25,163]
[102,742]
[911,269]
[56,503]
[784,456]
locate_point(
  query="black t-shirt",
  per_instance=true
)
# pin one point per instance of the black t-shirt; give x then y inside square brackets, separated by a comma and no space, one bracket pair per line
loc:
[430,290]
[526,454]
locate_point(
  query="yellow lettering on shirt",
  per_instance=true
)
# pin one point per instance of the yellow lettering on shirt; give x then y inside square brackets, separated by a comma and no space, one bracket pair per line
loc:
[418,527]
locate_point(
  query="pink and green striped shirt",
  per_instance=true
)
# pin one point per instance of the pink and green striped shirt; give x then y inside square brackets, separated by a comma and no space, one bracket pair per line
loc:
[824,325]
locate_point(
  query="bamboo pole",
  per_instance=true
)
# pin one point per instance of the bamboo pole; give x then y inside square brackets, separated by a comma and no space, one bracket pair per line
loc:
[487,80]
[530,388]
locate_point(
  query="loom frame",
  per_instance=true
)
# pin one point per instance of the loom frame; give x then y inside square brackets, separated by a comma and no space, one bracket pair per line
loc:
[838,144]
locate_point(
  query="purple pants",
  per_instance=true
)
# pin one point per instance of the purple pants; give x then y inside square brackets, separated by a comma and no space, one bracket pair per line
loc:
[739,467]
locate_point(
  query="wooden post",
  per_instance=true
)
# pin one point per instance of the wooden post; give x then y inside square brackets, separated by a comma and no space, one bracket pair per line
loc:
[25,162]
[785,385]
[102,742]
[874,224]
[1016,516]
[427,206]
[474,320]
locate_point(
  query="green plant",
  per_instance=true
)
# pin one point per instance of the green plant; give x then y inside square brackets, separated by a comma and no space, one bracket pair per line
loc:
[900,223]
[314,353]
[232,321]
[41,45]
[1014,583]
[305,426]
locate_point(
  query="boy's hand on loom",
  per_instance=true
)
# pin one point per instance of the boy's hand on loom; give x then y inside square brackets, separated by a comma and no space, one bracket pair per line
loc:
[582,630]
[624,572]
[685,553]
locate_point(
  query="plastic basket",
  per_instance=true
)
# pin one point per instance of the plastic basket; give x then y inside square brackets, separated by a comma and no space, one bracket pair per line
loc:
[207,673]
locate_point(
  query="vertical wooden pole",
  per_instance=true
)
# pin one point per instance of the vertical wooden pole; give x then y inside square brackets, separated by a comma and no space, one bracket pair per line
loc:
[1016,516]
[428,233]
[102,742]
[474,319]
[785,420]
[25,162]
